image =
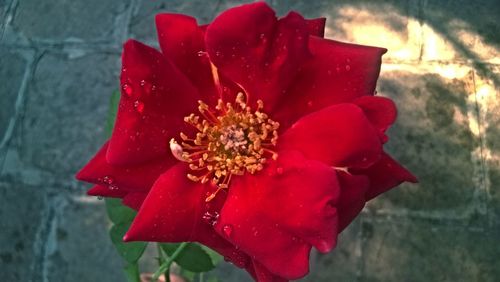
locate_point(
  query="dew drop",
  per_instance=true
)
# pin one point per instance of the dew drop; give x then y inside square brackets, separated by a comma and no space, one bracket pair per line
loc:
[146,86]
[100,198]
[228,230]
[218,54]
[279,170]
[329,72]
[201,53]
[262,36]
[108,180]
[347,67]
[240,263]
[127,89]
[337,69]
[211,217]
[139,106]
[112,187]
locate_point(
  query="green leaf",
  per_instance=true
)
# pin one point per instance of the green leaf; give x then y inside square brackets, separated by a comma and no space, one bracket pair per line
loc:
[113,109]
[118,213]
[193,258]
[132,251]
[216,258]
[132,272]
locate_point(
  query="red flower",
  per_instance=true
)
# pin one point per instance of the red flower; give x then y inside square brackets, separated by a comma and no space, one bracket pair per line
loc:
[283,154]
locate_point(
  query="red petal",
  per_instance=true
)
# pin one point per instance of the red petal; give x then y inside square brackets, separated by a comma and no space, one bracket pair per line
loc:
[103,191]
[384,175]
[182,40]
[251,47]
[173,212]
[276,215]
[134,200]
[339,135]
[337,73]
[155,98]
[316,26]
[381,111]
[352,198]
[171,209]
[264,275]
[130,178]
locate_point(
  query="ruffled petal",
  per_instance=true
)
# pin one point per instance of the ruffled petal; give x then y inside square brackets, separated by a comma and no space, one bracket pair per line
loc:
[339,135]
[316,26]
[337,73]
[262,54]
[352,198]
[104,191]
[280,239]
[384,175]
[155,98]
[183,42]
[380,111]
[129,178]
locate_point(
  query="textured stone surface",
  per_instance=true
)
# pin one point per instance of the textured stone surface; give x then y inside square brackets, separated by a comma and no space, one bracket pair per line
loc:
[81,248]
[12,69]
[22,213]
[69,20]
[66,110]
[432,129]
[421,251]
[491,108]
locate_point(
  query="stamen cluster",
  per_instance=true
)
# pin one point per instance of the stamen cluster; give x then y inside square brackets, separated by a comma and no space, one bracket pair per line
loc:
[231,140]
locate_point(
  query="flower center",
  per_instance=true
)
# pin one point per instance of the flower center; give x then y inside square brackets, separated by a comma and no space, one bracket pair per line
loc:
[231,140]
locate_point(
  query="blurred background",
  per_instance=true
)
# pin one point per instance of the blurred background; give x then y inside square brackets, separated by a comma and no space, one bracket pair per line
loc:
[60,62]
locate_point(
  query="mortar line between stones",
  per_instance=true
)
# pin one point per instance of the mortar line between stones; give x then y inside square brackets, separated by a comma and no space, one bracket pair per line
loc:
[28,72]
[8,17]
[482,146]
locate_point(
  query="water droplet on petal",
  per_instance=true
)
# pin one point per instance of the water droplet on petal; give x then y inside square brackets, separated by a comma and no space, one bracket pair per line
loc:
[146,86]
[279,170]
[201,53]
[309,103]
[347,67]
[112,187]
[139,106]
[228,230]
[127,89]
[329,72]
[100,198]
[211,217]
[108,179]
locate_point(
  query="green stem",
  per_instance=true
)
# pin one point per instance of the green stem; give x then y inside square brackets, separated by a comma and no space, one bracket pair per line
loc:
[166,265]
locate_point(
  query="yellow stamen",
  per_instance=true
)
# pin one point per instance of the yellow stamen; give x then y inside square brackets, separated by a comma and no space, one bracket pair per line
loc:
[231,140]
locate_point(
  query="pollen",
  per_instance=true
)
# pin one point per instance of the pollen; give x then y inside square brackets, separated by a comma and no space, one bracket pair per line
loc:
[231,140]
